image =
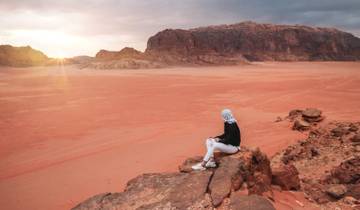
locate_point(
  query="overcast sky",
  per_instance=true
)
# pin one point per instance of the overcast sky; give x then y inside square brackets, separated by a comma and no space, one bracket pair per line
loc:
[69,27]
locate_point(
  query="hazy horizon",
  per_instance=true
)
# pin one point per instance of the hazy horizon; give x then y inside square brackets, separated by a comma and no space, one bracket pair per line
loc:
[67,28]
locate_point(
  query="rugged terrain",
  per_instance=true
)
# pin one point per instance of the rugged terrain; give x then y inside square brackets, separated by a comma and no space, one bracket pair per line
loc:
[328,161]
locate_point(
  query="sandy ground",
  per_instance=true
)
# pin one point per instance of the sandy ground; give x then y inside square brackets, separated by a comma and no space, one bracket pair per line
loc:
[67,134]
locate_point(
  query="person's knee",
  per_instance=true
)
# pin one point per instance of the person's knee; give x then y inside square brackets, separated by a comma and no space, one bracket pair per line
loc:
[209,142]
[216,145]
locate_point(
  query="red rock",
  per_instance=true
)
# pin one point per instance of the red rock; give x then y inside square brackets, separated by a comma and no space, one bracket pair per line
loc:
[311,113]
[259,175]
[252,202]
[125,53]
[186,165]
[257,42]
[301,125]
[295,113]
[353,128]
[226,177]
[353,190]
[356,138]
[156,191]
[336,191]
[339,131]
[286,176]
[348,172]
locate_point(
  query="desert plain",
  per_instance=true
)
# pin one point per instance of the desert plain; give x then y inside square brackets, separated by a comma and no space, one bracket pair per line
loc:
[67,133]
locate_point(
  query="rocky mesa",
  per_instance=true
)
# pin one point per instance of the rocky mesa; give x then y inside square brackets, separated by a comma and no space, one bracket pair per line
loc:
[256,42]
[236,44]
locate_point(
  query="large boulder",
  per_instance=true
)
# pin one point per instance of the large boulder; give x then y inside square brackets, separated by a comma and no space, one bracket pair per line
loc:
[301,125]
[286,176]
[151,191]
[226,177]
[336,191]
[312,115]
[259,173]
[192,189]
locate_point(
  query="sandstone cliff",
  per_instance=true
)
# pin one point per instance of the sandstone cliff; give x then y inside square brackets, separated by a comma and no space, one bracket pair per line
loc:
[21,56]
[256,42]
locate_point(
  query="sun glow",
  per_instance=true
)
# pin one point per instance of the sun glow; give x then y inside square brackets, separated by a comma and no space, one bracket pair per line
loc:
[60,42]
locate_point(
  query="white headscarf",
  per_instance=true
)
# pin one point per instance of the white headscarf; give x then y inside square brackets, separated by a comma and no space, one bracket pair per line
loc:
[227,116]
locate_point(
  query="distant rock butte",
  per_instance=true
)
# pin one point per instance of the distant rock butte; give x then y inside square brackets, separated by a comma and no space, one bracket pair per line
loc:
[240,43]
[258,42]
[125,53]
[21,56]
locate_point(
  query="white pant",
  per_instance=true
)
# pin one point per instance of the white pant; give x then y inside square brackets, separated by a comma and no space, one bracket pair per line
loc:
[212,145]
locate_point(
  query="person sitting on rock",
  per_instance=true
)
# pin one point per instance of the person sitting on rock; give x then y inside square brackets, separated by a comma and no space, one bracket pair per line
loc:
[229,142]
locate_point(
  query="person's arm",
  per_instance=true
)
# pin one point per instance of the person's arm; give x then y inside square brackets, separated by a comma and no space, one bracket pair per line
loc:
[222,136]
[230,135]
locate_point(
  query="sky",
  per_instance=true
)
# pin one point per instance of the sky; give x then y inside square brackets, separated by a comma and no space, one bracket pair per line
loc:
[82,27]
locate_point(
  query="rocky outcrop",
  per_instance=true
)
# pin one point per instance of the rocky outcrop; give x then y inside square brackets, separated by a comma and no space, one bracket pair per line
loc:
[127,58]
[304,119]
[255,42]
[196,190]
[21,56]
[324,166]
[125,53]
[286,176]
[327,162]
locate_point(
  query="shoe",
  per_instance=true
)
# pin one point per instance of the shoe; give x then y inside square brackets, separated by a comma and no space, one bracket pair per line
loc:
[198,167]
[210,164]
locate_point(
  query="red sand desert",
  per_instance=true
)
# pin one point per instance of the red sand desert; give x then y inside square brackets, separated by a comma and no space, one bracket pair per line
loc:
[68,134]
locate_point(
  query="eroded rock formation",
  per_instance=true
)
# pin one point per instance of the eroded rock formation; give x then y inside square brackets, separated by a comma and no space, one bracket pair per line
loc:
[236,44]
[21,56]
[256,42]
[327,161]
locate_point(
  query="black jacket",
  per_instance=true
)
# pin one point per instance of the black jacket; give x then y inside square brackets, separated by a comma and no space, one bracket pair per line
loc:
[231,134]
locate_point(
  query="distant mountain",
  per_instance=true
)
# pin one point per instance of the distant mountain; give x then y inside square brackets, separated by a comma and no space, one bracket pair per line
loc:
[213,45]
[125,53]
[21,56]
[257,42]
